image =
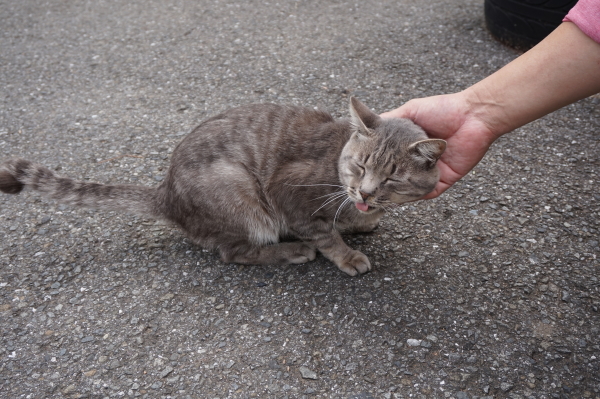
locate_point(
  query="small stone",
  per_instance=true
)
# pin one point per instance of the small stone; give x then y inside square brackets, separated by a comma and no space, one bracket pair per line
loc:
[229,364]
[45,220]
[220,306]
[506,386]
[102,359]
[462,395]
[463,254]
[413,342]
[432,338]
[68,390]
[166,297]
[90,373]
[87,339]
[307,373]
[287,311]
[454,357]
[114,364]
[166,372]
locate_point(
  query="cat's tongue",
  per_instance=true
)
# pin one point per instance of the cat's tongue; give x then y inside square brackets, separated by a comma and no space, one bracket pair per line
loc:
[362,207]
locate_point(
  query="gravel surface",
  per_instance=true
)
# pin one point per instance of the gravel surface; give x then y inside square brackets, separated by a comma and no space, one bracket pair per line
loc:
[490,291]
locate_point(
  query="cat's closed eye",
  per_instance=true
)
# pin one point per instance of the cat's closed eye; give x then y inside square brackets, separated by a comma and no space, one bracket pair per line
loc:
[361,170]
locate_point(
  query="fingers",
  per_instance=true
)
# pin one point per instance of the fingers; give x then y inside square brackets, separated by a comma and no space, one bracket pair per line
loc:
[438,190]
[407,110]
[396,113]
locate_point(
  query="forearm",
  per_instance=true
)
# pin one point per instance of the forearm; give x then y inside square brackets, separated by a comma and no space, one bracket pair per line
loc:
[563,68]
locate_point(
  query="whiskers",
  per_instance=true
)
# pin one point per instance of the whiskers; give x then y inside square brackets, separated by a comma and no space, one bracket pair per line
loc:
[330,199]
[346,201]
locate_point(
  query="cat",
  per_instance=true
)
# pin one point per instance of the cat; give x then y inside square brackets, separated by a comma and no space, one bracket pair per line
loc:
[270,184]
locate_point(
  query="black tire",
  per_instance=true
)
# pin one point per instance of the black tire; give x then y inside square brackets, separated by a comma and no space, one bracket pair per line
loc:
[524,23]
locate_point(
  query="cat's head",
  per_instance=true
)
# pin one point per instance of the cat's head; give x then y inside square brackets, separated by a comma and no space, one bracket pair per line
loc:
[387,161]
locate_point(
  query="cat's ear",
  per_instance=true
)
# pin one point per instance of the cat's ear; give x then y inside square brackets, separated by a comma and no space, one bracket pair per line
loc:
[428,151]
[363,119]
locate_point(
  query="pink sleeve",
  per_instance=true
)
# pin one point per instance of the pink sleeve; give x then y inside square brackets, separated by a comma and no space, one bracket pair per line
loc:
[586,15]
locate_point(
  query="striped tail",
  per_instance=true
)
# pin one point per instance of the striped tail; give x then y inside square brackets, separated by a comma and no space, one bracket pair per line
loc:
[15,174]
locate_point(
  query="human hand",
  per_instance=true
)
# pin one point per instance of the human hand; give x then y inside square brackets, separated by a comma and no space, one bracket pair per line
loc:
[449,117]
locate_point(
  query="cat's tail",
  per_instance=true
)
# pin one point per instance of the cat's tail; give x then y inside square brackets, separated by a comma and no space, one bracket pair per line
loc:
[15,174]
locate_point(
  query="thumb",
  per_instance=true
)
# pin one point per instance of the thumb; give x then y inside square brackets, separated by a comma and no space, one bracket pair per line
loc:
[396,113]
[407,110]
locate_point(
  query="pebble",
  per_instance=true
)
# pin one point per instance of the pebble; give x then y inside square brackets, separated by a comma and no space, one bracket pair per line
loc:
[166,297]
[69,390]
[432,338]
[168,370]
[114,364]
[413,342]
[506,386]
[90,373]
[307,373]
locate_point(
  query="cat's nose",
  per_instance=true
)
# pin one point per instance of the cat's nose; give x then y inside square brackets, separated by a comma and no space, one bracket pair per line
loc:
[364,195]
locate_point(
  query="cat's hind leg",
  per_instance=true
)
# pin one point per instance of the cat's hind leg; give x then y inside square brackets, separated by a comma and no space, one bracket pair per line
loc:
[279,253]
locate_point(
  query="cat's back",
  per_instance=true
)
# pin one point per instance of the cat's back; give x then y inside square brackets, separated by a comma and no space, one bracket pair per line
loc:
[259,122]
[259,132]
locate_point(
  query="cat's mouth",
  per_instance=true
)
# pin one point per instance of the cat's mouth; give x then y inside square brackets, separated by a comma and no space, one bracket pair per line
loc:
[362,206]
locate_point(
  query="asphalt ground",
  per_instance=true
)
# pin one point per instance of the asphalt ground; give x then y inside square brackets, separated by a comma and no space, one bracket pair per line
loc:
[490,291]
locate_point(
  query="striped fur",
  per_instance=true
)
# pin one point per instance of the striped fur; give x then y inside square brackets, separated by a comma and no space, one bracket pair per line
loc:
[245,179]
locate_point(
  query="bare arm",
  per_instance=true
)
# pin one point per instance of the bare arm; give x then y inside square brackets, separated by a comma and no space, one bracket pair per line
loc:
[563,68]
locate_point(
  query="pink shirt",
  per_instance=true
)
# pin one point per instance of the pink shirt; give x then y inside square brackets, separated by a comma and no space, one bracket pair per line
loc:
[586,15]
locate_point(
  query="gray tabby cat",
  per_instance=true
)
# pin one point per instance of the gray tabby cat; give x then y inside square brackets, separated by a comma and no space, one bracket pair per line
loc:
[246,179]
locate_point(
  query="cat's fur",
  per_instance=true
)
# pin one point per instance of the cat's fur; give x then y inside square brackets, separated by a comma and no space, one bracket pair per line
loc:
[246,179]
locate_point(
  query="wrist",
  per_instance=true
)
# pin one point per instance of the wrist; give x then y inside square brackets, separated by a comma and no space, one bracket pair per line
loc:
[483,108]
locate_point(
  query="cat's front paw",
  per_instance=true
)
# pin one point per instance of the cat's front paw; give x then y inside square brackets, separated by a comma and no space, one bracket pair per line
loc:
[355,263]
[303,253]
